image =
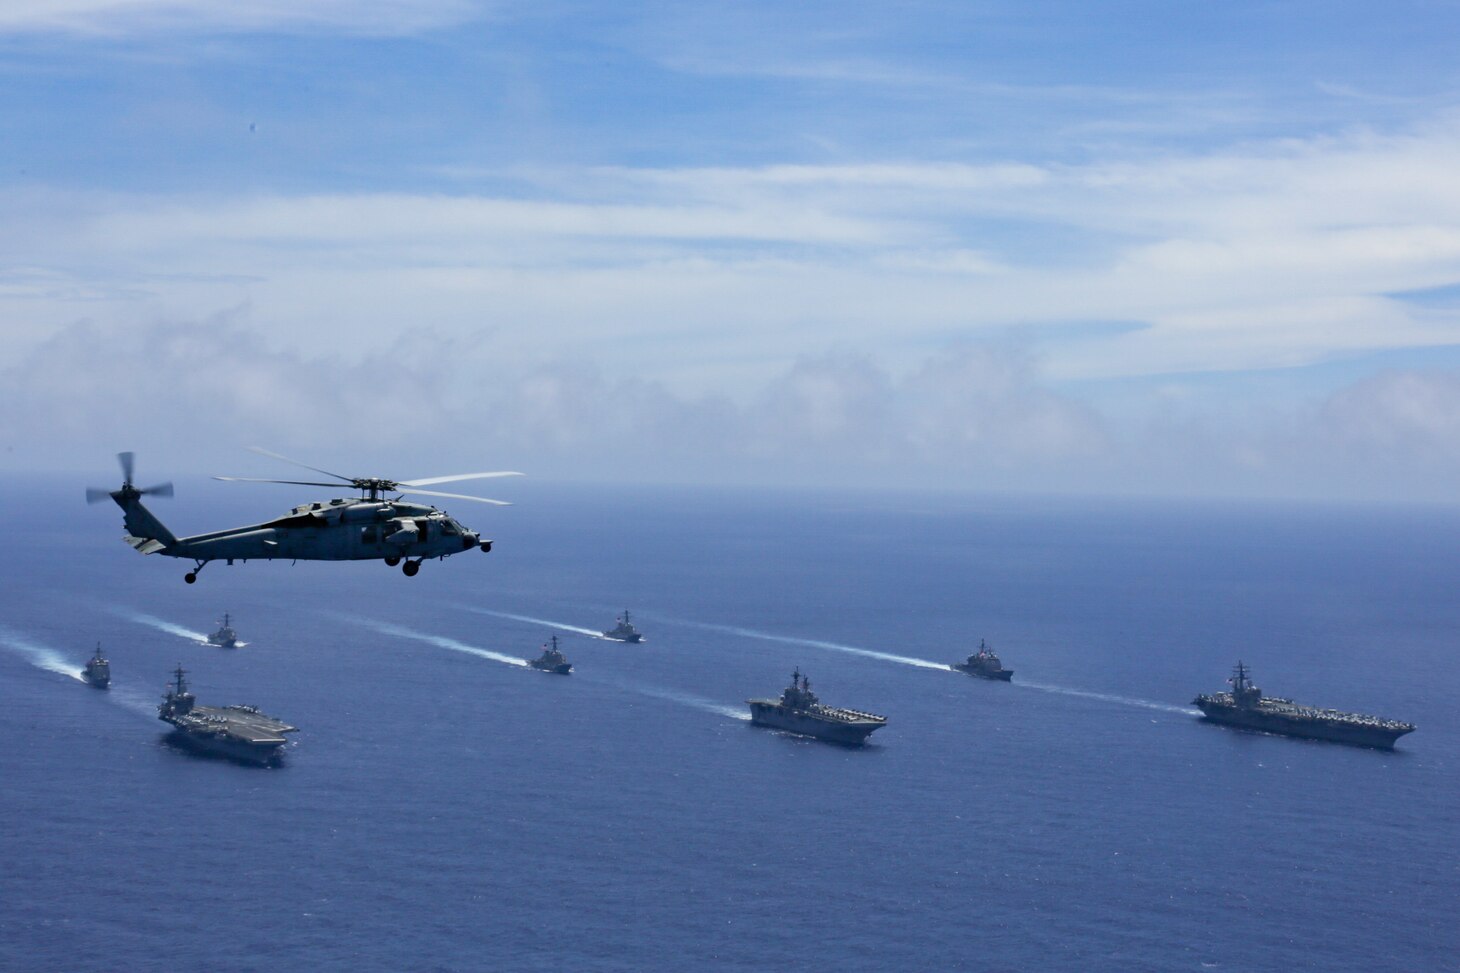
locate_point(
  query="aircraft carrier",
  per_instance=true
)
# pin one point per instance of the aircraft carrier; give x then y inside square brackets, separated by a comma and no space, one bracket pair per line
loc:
[1246,707]
[239,732]
[800,711]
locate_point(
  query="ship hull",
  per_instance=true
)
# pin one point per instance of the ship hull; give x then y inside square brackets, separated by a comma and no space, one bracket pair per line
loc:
[561,670]
[832,731]
[100,682]
[232,749]
[631,639]
[1334,731]
[997,675]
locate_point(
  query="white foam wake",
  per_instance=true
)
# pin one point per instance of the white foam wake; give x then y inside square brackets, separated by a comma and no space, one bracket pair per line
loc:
[162,625]
[906,660]
[561,626]
[1109,698]
[41,656]
[685,699]
[440,641]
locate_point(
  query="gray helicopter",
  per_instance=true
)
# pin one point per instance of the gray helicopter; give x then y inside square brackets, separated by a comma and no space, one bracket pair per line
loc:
[372,526]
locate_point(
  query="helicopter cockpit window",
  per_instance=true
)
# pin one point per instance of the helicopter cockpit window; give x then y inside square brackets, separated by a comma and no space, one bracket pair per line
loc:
[448,528]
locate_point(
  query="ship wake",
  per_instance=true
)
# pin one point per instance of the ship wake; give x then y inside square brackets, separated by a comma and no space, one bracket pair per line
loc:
[750,633]
[162,625]
[1109,698]
[40,656]
[440,641]
[684,699]
[560,626]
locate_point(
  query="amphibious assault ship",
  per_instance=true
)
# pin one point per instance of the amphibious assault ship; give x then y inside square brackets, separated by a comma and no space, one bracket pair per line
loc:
[225,637]
[1245,706]
[552,660]
[985,664]
[800,711]
[239,732]
[624,631]
[98,671]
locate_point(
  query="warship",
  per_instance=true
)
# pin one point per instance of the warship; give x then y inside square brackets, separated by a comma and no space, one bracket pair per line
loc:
[1246,707]
[985,664]
[239,732]
[799,711]
[552,660]
[624,631]
[98,671]
[225,637]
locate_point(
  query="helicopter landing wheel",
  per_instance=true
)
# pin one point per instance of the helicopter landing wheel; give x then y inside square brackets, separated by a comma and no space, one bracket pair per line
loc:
[391,562]
[190,577]
[410,568]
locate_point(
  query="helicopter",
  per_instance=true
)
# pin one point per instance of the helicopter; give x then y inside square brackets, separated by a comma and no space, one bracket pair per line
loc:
[372,526]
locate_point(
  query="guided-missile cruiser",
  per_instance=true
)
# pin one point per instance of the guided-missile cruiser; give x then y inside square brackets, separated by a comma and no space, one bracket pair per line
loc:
[98,670]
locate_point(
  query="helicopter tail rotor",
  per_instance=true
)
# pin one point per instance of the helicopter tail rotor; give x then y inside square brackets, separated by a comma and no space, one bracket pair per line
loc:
[128,491]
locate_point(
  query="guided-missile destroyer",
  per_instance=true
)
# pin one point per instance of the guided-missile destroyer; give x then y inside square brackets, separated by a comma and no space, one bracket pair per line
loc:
[240,732]
[800,711]
[225,637]
[624,631]
[1245,706]
[985,664]
[98,671]
[552,660]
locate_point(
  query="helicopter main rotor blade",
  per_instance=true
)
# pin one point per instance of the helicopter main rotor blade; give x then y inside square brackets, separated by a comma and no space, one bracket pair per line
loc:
[254,479]
[459,476]
[295,462]
[458,496]
[128,460]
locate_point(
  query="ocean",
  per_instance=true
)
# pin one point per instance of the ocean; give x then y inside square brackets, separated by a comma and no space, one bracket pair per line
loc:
[444,808]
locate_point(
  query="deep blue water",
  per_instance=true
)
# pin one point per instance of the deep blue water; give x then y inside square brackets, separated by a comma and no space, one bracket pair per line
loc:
[442,810]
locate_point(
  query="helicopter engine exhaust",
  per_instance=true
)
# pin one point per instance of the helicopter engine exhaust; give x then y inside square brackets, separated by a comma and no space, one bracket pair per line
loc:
[358,512]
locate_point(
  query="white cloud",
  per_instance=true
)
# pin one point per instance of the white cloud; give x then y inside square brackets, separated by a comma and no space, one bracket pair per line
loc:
[120,17]
[1262,257]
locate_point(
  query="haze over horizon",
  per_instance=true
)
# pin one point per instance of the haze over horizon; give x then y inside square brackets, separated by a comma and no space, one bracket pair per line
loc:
[1130,248]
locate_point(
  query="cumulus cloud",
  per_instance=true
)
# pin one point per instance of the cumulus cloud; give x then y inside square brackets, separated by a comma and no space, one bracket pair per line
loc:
[1407,416]
[191,394]
[188,396]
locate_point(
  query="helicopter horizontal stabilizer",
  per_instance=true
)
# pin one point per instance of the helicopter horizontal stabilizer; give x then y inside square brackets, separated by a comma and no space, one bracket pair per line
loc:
[144,545]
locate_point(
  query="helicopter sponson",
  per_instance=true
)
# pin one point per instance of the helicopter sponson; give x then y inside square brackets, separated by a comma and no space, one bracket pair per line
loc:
[369,527]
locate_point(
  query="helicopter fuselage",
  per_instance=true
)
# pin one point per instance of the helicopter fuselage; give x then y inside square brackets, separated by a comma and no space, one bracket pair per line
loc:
[357,529]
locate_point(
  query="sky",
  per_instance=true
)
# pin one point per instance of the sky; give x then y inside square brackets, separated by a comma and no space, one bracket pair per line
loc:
[1042,247]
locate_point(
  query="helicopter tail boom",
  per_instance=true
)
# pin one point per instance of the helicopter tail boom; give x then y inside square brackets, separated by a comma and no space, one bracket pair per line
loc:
[144,531]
